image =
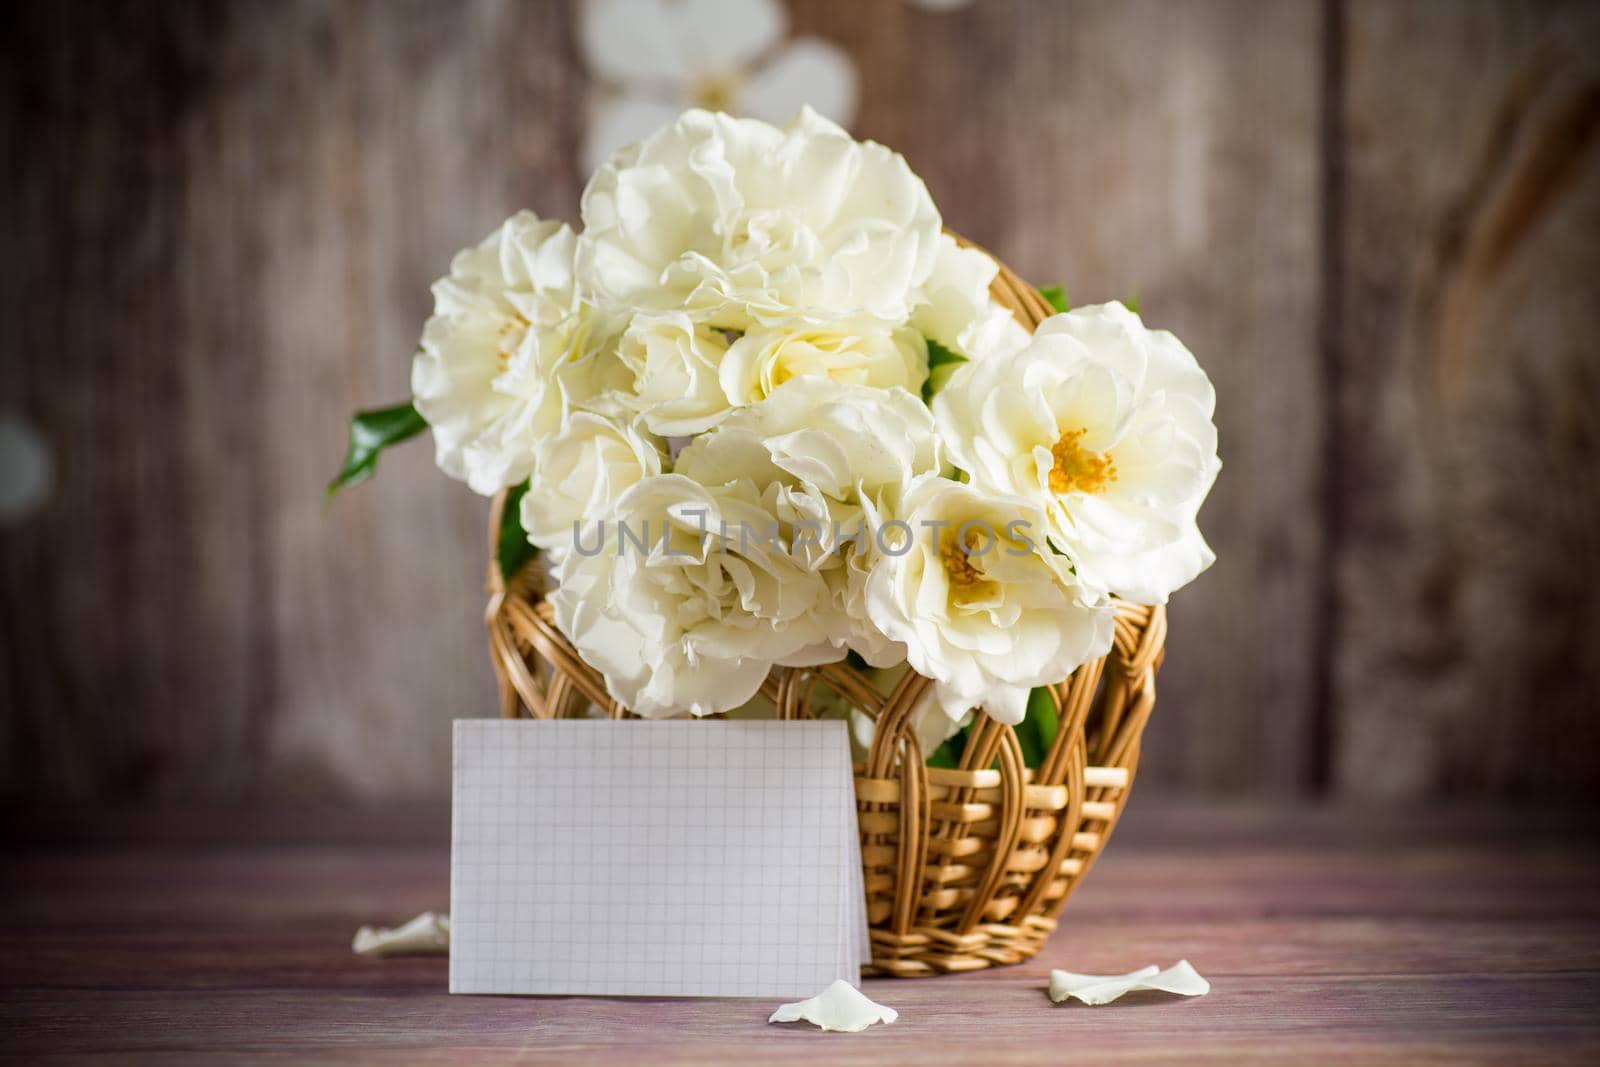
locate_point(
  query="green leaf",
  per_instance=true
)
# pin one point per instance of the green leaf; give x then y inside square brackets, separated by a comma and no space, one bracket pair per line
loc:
[939,355]
[1131,303]
[942,362]
[1056,297]
[1038,727]
[512,547]
[370,433]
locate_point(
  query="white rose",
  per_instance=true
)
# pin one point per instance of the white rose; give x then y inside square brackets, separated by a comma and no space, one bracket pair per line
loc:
[852,444]
[740,221]
[833,459]
[957,309]
[578,476]
[694,622]
[984,609]
[591,374]
[573,366]
[1106,426]
[676,364]
[858,353]
[506,312]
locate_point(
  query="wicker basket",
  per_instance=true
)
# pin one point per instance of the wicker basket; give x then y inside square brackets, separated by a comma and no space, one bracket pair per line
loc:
[965,867]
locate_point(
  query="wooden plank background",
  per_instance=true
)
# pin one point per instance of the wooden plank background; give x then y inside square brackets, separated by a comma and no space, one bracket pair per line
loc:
[1376,224]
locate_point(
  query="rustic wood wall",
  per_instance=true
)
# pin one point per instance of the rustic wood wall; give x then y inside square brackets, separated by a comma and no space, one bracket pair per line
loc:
[1375,223]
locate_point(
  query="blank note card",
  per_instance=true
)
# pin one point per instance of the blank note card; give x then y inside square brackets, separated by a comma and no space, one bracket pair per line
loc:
[654,858]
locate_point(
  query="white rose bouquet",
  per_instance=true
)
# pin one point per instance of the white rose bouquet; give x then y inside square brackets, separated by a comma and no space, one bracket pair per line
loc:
[762,411]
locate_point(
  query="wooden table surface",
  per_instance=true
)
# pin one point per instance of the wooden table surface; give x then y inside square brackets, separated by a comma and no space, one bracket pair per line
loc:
[1356,937]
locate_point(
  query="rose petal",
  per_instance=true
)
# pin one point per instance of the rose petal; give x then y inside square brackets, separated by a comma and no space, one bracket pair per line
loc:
[426,935]
[1180,979]
[616,121]
[840,1007]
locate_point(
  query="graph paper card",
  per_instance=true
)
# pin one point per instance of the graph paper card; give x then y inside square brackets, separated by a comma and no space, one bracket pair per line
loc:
[654,859]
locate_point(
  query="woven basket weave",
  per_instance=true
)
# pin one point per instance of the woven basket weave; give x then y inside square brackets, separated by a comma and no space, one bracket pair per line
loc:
[965,867]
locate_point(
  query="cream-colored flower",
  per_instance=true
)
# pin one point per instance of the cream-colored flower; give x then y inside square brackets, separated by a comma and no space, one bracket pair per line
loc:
[687,377]
[676,364]
[579,474]
[504,316]
[858,353]
[682,604]
[957,309]
[850,443]
[575,367]
[983,607]
[1104,425]
[833,459]
[654,58]
[741,222]
[591,373]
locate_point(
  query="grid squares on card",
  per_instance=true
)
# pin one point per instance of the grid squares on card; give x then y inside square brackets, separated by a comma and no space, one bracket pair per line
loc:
[654,858]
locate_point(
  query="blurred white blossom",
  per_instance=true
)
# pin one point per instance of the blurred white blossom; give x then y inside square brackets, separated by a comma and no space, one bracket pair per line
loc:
[654,58]
[27,469]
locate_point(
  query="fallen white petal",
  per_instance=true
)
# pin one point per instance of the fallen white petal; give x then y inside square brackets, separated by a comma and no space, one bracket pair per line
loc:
[427,934]
[1180,978]
[839,1007]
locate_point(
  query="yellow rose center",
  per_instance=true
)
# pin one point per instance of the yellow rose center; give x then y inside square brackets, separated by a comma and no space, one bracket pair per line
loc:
[718,91]
[806,356]
[957,559]
[511,333]
[1078,470]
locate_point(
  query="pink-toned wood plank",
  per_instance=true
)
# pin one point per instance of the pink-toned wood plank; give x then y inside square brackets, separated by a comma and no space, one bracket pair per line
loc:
[1433,938]
[957,1020]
